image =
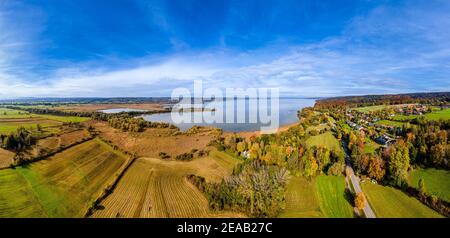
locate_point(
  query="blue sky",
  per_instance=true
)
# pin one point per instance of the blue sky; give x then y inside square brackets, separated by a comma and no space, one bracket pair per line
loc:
[105,48]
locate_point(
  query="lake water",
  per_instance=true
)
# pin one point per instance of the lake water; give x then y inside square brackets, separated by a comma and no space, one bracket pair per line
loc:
[119,110]
[287,115]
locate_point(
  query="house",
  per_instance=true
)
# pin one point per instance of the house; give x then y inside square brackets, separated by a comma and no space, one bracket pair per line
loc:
[384,140]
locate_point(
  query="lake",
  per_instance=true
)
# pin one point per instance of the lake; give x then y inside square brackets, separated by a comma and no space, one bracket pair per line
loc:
[288,108]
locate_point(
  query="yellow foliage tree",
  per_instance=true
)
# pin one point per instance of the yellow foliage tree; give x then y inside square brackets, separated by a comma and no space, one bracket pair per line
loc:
[360,200]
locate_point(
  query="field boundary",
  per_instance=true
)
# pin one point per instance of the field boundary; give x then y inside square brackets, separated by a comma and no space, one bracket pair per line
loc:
[109,189]
[50,154]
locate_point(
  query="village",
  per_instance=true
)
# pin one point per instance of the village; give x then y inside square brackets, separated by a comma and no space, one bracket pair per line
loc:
[384,134]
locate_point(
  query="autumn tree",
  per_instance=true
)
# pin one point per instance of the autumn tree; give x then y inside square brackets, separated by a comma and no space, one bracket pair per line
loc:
[438,154]
[241,146]
[310,164]
[360,200]
[376,168]
[322,156]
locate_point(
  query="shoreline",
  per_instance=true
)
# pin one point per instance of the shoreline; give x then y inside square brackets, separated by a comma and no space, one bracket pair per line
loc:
[248,134]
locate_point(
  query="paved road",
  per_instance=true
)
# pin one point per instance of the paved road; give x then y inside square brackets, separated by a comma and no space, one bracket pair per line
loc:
[355,182]
[357,188]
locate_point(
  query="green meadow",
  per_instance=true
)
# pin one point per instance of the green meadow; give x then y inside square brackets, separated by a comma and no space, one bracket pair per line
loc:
[388,202]
[437,181]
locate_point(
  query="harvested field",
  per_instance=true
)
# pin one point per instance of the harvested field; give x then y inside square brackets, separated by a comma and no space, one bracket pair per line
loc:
[5,158]
[154,140]
[157,188]
[97,107]
[53,143]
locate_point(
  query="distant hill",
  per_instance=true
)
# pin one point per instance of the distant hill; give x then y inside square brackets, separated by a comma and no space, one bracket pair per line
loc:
[436,98]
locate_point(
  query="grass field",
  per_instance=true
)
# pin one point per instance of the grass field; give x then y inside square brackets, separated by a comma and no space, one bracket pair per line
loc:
[370,146]
[388,202]
[9,113]
[17,198]
[11,125]
[435,115]
[64,118]
[159,188]
[331,194]
[10,120]
[326,139]
[320,197]
[319,128]
[390,123]
[437,181]
[65,184]
[301,199]
[370,108]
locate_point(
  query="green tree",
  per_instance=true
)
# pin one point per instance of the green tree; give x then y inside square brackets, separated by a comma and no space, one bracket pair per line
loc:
[399,163]
[422,188]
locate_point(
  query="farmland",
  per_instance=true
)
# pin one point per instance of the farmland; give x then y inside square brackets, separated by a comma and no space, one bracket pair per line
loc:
[321,197]
[160,189]
[9,113]
[154,140]
[106,106]
[53,143]
[301,199]
[370,108]
[390,123]
[10,124]
[435,115]
[326,139]
[5,158]
[17,198]
[65,184]
[388,202]
[73,165]
[10,120]
[437,181]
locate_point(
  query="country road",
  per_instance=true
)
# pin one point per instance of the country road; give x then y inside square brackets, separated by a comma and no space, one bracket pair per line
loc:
[354,180]
[357,189]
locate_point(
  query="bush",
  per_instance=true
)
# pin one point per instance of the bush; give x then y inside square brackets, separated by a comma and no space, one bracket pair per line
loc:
[164,155]
[336,169]
[198,181]
[185,157]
